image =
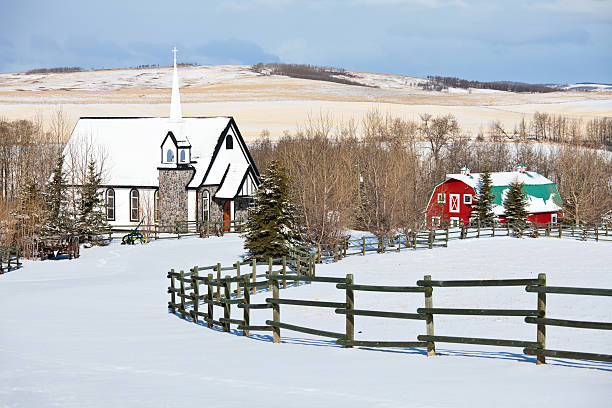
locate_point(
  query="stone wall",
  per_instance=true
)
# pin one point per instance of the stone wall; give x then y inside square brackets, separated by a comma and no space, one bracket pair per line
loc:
[173,194]
[216,205]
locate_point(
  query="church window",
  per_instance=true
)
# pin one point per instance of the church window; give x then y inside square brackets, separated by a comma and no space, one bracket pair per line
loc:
[205,205]
[229,142]
[110,204]
[182,155]
[156,205]
[134,214]
[169,156]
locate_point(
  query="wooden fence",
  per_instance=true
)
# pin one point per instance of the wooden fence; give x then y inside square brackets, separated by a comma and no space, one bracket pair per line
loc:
[9,259]
[186,288]
[179,229]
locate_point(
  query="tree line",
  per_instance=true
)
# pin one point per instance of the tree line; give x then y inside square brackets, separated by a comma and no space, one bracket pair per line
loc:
[440,82]
[377,174]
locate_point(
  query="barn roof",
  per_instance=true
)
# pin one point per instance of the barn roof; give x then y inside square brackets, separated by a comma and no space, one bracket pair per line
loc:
[542,193]
[131,146]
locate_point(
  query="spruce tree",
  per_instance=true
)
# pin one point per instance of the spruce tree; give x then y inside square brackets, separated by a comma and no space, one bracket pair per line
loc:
[484,199]
[271,229]
[515,208]
[91,219]
[58,220]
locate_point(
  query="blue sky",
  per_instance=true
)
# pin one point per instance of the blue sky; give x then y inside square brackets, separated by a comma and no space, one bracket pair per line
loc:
[532,41]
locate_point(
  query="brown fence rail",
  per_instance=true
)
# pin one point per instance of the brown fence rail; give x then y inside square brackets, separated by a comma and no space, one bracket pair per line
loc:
[186,300]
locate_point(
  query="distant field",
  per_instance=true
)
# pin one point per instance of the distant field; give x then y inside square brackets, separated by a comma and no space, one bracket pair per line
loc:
[271,102]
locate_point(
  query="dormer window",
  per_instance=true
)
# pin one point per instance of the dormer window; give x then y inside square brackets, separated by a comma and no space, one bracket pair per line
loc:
[169,156]
[229,142]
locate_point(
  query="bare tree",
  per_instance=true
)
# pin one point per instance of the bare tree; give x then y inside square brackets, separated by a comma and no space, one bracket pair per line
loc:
[438,131]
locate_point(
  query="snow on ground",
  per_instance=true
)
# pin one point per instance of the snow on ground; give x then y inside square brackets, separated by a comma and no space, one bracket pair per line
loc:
[95,332]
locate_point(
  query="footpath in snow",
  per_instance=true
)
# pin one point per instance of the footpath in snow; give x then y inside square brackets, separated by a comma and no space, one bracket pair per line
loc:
[96,332]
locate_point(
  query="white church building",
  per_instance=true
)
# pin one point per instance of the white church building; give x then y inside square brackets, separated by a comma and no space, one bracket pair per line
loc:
[169,170]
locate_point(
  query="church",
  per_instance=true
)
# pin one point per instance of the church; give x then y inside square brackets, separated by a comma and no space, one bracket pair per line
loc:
[165,170]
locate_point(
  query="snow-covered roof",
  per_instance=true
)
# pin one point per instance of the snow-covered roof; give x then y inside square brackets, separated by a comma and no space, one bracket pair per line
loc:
[131,146]
[541,192]
[232,181]
[502,178]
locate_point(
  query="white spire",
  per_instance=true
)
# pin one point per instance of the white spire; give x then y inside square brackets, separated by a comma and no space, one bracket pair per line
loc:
[175,103]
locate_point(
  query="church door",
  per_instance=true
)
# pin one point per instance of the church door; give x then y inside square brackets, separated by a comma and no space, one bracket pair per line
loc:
[227,215]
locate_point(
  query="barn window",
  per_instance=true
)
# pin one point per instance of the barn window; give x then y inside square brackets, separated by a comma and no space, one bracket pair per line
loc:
[156,205]
[110,204]
[467,199]
[441,198]
[229,142]
[553,218]
[169,156]
[182,155]
[435,221]
[134,215]
[205,205]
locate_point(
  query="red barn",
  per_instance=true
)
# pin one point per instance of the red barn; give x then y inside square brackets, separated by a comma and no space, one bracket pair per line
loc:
[452,201]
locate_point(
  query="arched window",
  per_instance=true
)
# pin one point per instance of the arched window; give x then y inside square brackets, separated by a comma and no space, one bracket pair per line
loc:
[110,204]
[205,205]
[134,213]
[229,142]
[169,156]
[156,205]
[182,155]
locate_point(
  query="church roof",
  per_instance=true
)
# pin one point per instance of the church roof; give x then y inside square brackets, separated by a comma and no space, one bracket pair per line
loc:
[131,146]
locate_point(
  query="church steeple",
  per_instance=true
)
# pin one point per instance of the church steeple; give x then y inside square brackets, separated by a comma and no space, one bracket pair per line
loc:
[175,103]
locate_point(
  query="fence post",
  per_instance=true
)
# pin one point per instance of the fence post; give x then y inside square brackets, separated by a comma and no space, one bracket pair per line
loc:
[446,235]
[246,312]
[478,234]
[237,279]
[195,290]
[254,275]
[350,305]
[299,270]
[541,358]
[275,310]
[210,298]
[172,292]
[156,233]
[345,247]
[284,272]
[363,246]
[560,230]
[606,230]
[318,260]
[399,243]
[335,253]
[414,240]
[182,293]
[226,306]
[431,347]
[270,269]
[218,282]
[431,239]
[548,229]
[596,233]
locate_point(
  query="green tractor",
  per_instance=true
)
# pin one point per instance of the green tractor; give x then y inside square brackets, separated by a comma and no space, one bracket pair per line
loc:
[134,236]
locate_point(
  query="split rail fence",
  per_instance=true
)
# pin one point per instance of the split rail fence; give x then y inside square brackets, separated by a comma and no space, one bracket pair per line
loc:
[186,299]
[9,259]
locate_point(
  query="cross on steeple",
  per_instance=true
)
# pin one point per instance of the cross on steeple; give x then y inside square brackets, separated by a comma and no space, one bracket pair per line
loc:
[175,102]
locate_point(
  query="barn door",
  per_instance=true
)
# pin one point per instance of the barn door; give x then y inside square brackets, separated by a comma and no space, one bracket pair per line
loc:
[454,203]
[227,215]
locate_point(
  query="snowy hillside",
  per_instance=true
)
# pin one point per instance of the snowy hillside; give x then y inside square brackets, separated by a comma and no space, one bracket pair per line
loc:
[96,332]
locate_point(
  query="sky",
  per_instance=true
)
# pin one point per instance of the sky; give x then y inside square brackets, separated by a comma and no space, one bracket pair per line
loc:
[547,41]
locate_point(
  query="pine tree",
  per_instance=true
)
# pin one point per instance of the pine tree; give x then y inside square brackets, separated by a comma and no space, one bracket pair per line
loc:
[484,199]
[58,220]
[271,229]
[91,220]
[515,208]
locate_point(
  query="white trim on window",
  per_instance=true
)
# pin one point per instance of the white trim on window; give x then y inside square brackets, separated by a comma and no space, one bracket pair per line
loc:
[454,203]
[205,205]
[134,205]
[441,198]
[553,218]
[454,221]
[467,199]
[110,204]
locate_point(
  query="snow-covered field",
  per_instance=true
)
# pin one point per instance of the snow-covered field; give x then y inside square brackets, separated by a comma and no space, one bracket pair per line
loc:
[275,103]
[95,332]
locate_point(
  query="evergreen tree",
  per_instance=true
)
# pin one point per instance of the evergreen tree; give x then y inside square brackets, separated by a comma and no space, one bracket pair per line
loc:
[58,220]
[484,199]
[271,229]
[515,208]
[91,219]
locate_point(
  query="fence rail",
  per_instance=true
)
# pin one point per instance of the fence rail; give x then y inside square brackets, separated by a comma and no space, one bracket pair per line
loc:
[186,300]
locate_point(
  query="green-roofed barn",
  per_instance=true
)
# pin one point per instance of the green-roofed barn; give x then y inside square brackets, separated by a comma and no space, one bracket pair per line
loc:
[452,201]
